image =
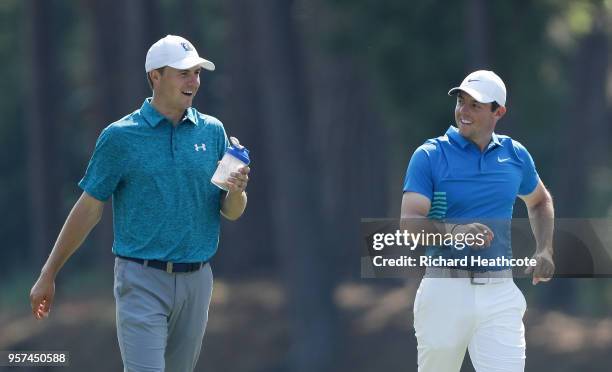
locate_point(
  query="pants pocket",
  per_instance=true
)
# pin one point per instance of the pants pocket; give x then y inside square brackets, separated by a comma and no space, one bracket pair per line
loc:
[418,297]
[119,286]
[520,297]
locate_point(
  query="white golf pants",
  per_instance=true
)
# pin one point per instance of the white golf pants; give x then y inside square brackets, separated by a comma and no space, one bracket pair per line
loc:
[452,315]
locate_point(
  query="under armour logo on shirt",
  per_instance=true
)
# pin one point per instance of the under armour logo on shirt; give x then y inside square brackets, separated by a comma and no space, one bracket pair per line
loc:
[202,147]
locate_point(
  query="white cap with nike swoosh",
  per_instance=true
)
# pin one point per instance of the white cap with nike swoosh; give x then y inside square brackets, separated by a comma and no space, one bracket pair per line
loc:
[484,86]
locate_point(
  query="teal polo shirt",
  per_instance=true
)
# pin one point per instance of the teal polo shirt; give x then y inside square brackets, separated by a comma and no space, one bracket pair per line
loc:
[465,184]
[164,205]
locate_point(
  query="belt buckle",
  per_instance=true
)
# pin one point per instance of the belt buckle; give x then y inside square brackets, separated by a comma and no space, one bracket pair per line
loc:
[169,267]
[486,280]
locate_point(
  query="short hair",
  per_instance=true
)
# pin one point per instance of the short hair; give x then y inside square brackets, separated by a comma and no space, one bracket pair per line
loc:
[161,72]
[494,106]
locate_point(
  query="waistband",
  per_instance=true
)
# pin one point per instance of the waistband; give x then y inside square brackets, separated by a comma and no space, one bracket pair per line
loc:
[476,277]
[169,267]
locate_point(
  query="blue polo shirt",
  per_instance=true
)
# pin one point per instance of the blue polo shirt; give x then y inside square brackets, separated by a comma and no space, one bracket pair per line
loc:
[164,205]
[468,185]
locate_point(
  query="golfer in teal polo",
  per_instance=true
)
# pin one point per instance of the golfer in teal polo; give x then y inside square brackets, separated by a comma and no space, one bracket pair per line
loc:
[156,163]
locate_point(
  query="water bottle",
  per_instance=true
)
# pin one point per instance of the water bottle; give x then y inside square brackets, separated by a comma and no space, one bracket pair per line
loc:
[236,156]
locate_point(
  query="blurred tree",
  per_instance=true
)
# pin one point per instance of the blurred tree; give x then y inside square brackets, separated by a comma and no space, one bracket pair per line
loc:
[296,213]
[189,15]
[585,132]
[44,127]
[586,128]
[14,199]
[247,245]
[477,34]
[308,108]
[349,144]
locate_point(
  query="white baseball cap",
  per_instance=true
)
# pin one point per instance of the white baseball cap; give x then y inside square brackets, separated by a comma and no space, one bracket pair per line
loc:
[485,86]
[176,52]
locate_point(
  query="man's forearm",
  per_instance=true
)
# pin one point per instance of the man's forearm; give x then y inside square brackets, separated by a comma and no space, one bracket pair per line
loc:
[542,220]
[82,218]
[233,205]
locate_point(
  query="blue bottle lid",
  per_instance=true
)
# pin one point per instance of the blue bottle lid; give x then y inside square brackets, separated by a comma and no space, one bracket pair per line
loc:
[241,154]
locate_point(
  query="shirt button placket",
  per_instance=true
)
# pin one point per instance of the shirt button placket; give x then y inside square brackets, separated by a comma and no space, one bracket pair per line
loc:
[173,141]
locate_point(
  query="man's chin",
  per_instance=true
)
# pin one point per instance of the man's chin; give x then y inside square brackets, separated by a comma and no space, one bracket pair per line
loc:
[463,128]
[187,102]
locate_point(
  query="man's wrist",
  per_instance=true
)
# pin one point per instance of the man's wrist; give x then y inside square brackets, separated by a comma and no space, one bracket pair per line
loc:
[450,227]
[233,194]
[544,249]
[47,274]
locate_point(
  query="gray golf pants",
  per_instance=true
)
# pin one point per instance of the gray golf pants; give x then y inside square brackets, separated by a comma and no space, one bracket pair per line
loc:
[161,317]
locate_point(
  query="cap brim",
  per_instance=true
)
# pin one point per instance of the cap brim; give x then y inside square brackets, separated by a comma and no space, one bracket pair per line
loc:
[472,92]
[190,62]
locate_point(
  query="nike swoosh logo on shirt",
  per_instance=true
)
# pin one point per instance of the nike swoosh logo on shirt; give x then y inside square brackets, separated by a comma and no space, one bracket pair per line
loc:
[502,160]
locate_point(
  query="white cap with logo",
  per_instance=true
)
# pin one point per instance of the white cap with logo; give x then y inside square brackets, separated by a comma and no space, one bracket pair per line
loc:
[484,86]
[176,52]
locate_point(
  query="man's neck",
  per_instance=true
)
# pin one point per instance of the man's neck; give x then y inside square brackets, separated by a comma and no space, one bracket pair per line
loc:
[171,114]
[481,143]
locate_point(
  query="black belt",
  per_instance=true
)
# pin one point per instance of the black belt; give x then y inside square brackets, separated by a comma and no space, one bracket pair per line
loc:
[169,267]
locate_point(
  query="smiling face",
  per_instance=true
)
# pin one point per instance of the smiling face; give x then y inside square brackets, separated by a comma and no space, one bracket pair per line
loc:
[475,120]
[173,90]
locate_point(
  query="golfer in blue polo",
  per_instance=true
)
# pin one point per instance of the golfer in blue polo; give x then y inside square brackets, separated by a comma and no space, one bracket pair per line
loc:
[468,180]
[156,163]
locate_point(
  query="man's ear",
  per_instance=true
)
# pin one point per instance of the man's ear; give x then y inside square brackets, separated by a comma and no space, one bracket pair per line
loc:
[500,112]
[154,76]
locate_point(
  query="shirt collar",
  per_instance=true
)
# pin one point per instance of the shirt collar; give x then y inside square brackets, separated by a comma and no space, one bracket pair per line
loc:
[496,139]
[190,115]
[153,117]
[453,134]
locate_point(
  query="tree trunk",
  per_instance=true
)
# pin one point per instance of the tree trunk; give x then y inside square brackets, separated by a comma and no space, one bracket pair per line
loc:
[296,217]
[44,129]
[241,117]
[477,35]
[313,111]
[585,144]
[584,141]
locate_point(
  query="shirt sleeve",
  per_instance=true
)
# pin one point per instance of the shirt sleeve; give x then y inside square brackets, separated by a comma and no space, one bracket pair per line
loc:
[105,166]
[418,175]
[530,175]
[223,142]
